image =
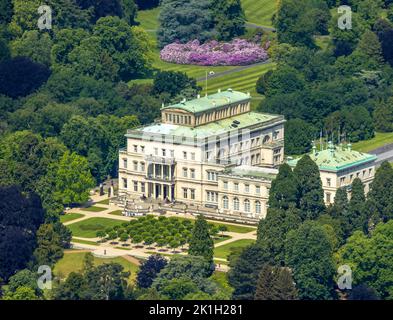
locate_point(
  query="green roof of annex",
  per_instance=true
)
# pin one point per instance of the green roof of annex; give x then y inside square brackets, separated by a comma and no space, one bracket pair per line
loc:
[210,102]
[337,158]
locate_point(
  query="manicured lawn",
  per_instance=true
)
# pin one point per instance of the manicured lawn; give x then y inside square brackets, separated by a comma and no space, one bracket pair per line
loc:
[244,81]
[70,216]
[379,140]
[149,18]
[84,241]
[116,213]
[73,262]
[221,239]
[259,12]
[93,209]
[106,201]
[225,250]
[234,228]
[88,228]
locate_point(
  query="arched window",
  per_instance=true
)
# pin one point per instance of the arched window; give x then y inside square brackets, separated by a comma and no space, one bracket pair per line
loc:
[266,139]
[247,205]
[257,207]
[236,204]
[225,202]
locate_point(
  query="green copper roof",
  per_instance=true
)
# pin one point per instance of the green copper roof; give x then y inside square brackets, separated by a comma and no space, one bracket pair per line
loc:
[213,101]
[337,158]
[245,120]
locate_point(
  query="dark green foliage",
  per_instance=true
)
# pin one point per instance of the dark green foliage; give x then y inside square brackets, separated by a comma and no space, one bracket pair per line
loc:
[244,272]
[297,22]
[147,4]
[201,244]
[275,283]
[5,11]
[21,76]
[383,116]
[362,292]
[310,192]
[49,246]
[283,191]
[185,20]
[298,136]
[173,83]
[20,217]
[149,270]
[284,80]
[308,253]
[229,18]
[380,197]
[104,282]
[272,231]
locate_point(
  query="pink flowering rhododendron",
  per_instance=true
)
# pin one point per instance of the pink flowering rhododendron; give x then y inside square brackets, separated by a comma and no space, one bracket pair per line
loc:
[236,53]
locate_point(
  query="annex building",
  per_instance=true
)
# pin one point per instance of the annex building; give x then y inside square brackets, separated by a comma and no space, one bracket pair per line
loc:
[214,152]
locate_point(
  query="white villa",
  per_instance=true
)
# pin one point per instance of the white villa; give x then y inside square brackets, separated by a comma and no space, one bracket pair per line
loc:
[215,153]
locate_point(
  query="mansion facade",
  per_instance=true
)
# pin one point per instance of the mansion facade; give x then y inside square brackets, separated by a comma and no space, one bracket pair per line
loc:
[211,152]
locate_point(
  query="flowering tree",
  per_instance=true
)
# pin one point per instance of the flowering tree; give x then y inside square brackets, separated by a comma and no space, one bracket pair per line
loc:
[213,53]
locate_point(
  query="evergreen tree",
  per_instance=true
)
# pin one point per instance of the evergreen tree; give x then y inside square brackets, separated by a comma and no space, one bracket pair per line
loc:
[310,192]
[244,271]
[273,230]
[229,18]
[370,49]
[201,244]
[357,206]
[275,283]
[383,116]
[380,198]
[149,269]
[309,254]
[283,191]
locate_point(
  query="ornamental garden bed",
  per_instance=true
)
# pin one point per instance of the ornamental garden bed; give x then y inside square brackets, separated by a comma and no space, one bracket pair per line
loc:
[238,52]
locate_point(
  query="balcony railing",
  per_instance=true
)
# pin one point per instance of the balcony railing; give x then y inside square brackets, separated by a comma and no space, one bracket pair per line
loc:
[160,160]
[160,178]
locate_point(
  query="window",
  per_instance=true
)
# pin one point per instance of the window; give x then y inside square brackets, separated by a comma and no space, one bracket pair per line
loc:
[212,196]
[156,151]
[247,188]
[125,163]
[275,135]
[328,182]
[192,155]
[328,197]
[342,180]
[370,171]
[364,173]
[185,193]
[236,186]
[143,187]
[125,183]
[225,202]
[247,205]
[192,194]
[135,186]
[212,176]
[135,148]
[172,153]
[258,189]
[236,204]
[185,173]
[192,173]
[142,149]
[184,155]
[142,166]
[135,165]
[257,207]
[225,185]
[207,155]
[163,152]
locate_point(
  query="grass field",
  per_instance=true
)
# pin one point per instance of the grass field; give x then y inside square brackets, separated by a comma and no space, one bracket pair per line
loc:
[225,250]
[243,80]
[259,12]
[73,262]
[117,213]
[106,201]
[92,243]
[88,228]
[379,140]
[93,209]
[70,216]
